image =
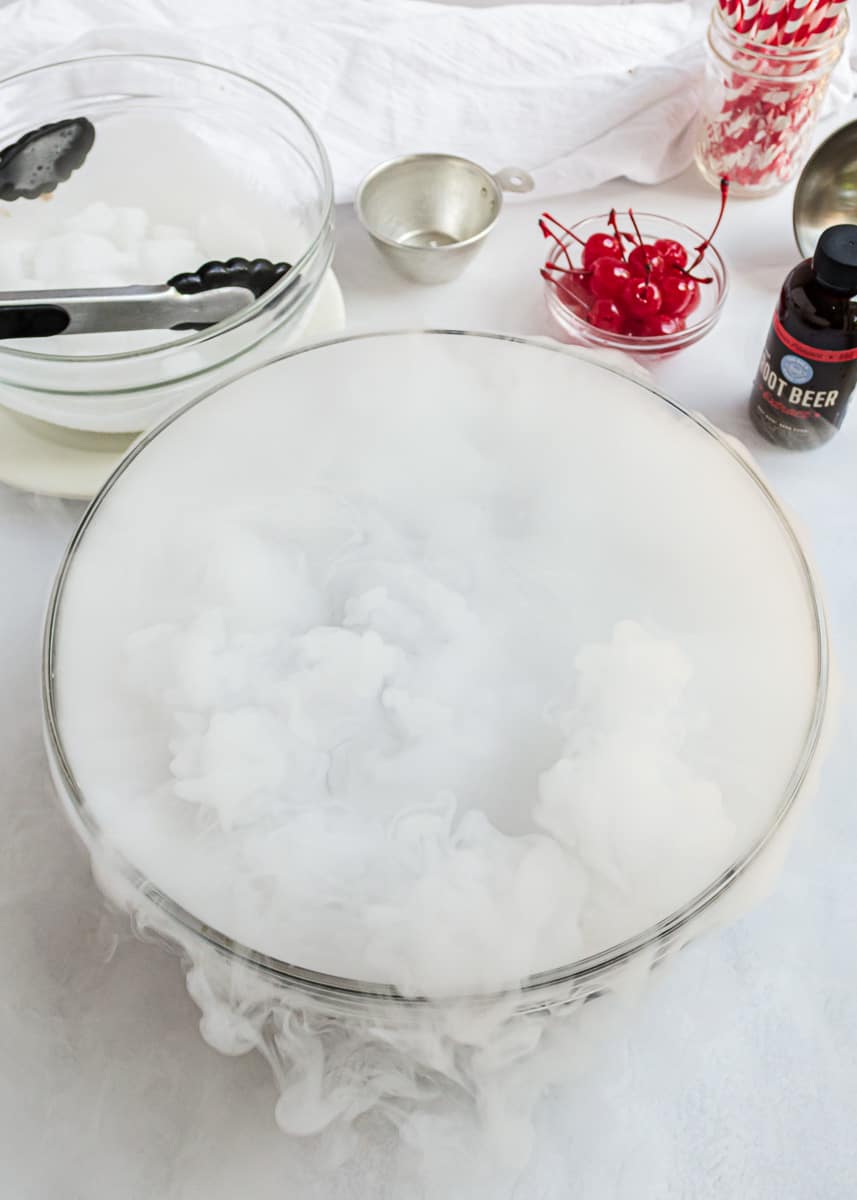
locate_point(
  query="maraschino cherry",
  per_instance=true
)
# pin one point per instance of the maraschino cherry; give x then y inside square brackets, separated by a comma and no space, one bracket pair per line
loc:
[671,252]
[679,294]
[600,245]
[641,298]
[607,315]
[609,278]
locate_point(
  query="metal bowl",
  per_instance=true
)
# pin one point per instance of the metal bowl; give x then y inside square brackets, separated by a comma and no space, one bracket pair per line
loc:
[428,214]
[826,191]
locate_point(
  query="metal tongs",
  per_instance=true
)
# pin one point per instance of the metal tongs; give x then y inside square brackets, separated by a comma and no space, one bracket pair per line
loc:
[33,166]
[192,300]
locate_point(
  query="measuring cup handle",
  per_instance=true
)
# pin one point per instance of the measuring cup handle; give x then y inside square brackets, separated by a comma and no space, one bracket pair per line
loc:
[514,179]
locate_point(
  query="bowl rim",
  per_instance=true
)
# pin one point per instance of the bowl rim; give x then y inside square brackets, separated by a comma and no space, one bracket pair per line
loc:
[244,315]
[806,184]
[390,165]
[580,972]
[626,341]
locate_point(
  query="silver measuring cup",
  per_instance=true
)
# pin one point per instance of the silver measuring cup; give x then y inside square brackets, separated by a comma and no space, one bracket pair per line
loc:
[429,214]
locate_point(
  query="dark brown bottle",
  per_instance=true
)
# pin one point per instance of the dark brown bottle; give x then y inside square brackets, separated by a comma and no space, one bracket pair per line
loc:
[809,365]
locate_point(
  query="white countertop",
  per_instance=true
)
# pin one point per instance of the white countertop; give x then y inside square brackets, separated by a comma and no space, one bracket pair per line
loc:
[736,1076]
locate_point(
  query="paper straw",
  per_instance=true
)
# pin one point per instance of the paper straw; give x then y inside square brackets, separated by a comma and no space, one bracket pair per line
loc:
[823,20]
[748,18]
[770,15]
[801,14]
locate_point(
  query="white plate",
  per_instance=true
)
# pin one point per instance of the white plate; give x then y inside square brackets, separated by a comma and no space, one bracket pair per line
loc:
[38,457]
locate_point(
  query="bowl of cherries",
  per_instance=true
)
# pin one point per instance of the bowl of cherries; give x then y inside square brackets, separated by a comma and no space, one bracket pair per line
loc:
[638,282]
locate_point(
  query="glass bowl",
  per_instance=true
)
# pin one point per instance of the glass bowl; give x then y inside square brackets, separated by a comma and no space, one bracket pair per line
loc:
[501,365]
[197,148]
[493,1045]
[571,318]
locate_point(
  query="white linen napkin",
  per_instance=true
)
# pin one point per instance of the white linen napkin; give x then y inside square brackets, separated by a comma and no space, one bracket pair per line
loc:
[576,94]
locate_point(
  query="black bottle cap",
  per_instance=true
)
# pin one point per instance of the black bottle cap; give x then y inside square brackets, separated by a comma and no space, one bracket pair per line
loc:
[834,263]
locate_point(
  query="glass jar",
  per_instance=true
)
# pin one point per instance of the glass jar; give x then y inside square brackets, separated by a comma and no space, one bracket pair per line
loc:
[189,148]
[760,102]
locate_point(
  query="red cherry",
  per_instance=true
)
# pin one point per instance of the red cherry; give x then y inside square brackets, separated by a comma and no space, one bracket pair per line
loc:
[607,315]
[637,328]
[661,325]
[608,279]
[600,245]
[645,260]
[672,252]
[679,294]
[641,298]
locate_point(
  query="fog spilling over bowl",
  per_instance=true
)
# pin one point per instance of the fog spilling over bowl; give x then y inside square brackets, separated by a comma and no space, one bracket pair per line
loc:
[189,163]
[445,679]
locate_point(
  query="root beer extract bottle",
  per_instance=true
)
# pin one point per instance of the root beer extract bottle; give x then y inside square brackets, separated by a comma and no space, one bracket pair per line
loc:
[809,365]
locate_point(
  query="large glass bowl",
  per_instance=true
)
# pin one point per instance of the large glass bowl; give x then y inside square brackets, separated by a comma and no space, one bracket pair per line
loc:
[183,140]
[569,313]
[504,364]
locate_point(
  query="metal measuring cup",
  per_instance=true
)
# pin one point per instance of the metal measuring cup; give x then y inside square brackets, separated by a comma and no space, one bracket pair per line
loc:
[428,214]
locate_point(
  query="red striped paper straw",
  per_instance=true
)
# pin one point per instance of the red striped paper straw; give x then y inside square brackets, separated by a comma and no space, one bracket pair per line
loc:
[771,16]
[748,17]
[799,12]
[823,19]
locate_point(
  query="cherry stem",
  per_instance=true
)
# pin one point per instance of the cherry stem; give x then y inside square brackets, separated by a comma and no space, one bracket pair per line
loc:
[550,233]
[614,224]
[640,241]
[703,246]
[565,285]
[546,216]
[579,272]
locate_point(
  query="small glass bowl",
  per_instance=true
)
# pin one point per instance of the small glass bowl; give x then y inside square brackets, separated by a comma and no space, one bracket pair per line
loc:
[572,318]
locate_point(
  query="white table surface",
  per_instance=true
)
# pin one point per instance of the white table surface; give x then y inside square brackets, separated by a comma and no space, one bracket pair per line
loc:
[737,1076]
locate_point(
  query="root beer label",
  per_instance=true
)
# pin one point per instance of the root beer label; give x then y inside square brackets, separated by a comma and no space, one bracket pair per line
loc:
[798,386]
[808,368]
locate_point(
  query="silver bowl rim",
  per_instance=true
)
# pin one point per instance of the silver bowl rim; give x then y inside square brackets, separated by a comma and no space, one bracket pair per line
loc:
[393,163]
[849,129]
[580,973]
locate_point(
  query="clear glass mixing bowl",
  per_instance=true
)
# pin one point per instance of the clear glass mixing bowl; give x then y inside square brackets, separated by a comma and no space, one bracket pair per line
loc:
[568,983]
[181,139]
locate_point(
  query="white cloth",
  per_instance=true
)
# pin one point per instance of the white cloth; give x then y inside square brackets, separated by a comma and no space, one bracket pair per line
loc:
[577,94]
